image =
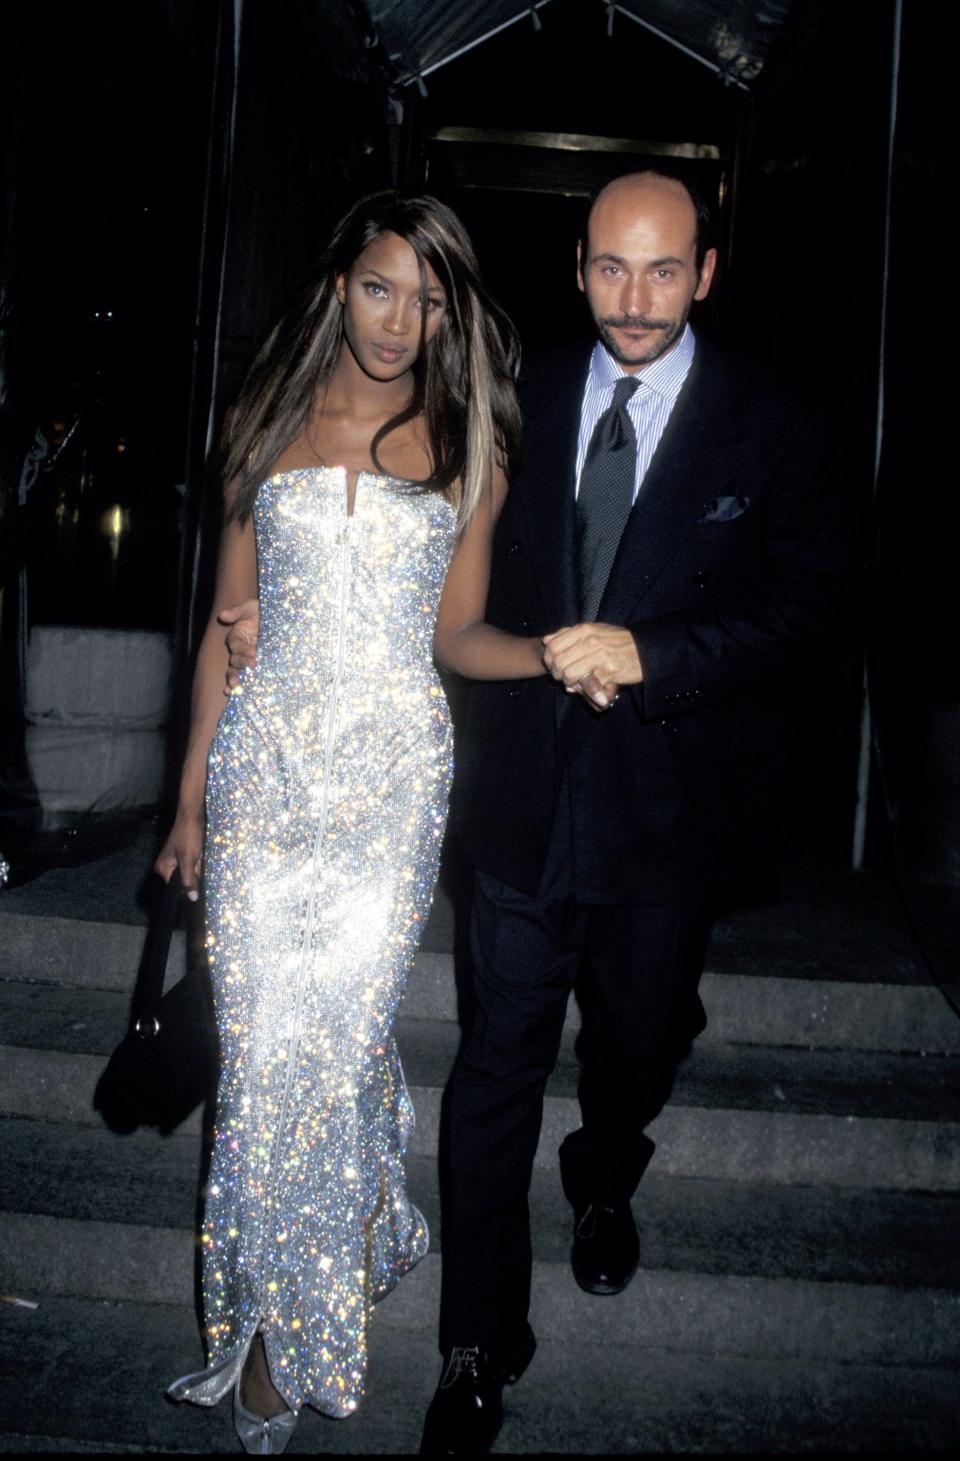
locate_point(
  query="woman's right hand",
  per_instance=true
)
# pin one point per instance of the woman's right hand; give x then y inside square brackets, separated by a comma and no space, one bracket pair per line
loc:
[244,622]
[184,849]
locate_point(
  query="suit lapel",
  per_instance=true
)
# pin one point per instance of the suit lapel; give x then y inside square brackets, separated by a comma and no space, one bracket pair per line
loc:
[545,486]
[695,453]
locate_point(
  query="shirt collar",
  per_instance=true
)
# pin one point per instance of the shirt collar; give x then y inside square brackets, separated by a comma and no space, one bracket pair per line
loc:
[664,375]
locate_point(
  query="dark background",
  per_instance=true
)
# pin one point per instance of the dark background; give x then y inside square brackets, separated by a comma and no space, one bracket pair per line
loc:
[143,255]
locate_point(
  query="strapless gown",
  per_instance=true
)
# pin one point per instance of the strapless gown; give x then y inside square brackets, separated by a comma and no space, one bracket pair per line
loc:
[326,801]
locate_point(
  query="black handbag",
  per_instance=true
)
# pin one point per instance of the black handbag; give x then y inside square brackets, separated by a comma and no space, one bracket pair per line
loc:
[167,1062]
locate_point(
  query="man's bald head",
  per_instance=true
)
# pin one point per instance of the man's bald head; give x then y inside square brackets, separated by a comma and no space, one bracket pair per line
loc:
[631,186]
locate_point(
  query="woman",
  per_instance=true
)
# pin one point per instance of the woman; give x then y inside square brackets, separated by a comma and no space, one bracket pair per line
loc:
[366,463]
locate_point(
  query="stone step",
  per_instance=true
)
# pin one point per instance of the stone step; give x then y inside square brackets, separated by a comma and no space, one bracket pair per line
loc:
[49,1020]
[777,1010]
[112,1362]
[824,922]
[702,1313]
[76,951]
[902,1239]
[820,1142]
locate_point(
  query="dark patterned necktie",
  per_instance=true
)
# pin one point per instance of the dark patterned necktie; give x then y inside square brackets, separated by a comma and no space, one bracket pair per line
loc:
[605,496]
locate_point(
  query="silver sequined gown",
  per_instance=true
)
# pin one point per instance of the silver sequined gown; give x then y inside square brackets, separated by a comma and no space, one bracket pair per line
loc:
[326,800]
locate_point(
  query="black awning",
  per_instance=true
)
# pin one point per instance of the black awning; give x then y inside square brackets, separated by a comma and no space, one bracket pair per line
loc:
[731,37]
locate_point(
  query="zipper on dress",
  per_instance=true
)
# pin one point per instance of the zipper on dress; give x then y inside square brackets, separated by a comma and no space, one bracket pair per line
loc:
[311,899]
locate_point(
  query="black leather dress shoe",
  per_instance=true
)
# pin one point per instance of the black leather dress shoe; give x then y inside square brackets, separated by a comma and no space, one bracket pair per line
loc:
[466,1412]
[606,1247]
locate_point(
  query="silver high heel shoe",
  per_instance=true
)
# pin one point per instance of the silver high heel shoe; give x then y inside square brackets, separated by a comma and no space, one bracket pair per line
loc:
[260,1436]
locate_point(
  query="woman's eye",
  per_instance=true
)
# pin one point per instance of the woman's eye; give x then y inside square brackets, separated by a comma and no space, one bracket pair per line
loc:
[434,303]
[374,287]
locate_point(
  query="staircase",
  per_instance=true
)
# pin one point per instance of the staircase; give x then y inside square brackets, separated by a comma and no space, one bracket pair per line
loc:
[800,1279]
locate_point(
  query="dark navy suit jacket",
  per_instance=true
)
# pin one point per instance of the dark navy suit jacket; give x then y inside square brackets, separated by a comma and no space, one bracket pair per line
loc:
[732,576]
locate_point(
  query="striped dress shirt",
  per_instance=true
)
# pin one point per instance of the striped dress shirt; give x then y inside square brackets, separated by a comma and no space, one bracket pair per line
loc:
[649,406]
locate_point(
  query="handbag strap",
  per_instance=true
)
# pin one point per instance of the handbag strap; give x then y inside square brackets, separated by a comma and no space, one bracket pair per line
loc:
[148,989]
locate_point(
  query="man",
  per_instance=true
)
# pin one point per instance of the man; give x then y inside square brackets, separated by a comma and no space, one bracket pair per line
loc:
[670,519]
[671,537]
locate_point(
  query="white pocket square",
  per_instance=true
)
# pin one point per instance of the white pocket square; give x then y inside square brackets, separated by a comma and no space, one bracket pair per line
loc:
[724,509]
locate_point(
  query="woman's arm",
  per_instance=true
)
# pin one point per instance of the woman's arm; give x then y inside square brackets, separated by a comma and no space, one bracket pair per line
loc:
[236,580]
[461,640]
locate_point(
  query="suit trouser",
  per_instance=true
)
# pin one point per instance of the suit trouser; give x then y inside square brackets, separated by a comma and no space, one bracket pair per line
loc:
[639,965]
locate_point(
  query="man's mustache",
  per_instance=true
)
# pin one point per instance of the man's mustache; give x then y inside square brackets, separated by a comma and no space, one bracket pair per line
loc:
[635,322]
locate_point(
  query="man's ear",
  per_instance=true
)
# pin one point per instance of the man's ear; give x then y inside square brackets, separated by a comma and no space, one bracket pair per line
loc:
[580,284]
[706,274]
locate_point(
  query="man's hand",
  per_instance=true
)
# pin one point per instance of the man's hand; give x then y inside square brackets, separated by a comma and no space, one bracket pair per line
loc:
[593,660]
[244,620]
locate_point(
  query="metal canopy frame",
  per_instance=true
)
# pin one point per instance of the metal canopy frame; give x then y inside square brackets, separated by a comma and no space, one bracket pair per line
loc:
[387,23]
